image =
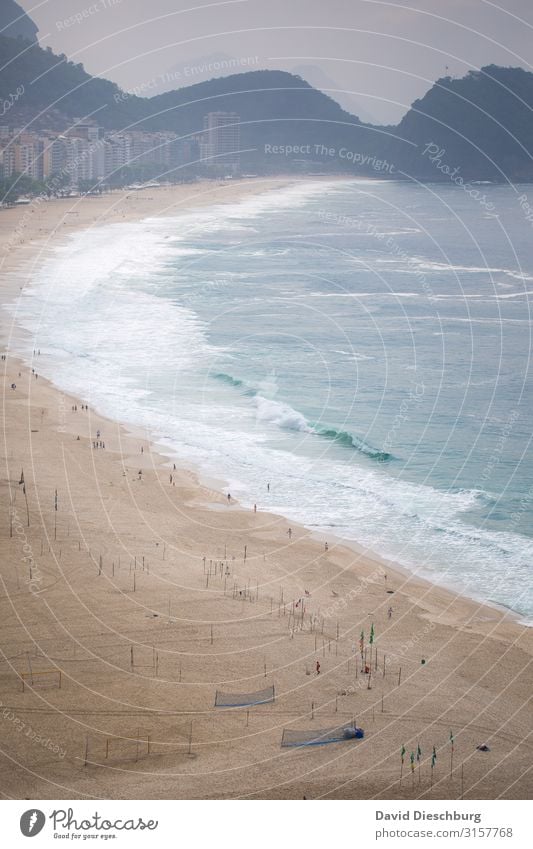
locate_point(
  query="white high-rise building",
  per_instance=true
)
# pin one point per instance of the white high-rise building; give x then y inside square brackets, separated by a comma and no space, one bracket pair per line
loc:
[220,149]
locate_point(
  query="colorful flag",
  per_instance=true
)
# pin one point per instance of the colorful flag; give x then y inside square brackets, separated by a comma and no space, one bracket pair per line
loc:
[371,639]
[412,761]
[362,642]
[402,753]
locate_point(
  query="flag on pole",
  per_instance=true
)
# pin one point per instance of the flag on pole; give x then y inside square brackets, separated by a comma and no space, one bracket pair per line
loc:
[362,642]
[402,755]
[412,761]
[371,638]
[451,739]
[433,757]
[418,752]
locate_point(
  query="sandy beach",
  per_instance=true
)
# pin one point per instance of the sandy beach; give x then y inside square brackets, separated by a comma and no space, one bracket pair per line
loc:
[145,592]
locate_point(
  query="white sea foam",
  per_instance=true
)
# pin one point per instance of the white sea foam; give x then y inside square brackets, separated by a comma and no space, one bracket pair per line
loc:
[280,414]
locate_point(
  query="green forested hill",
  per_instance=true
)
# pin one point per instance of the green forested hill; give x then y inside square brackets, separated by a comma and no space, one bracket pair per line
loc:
[15,23]
[481,123]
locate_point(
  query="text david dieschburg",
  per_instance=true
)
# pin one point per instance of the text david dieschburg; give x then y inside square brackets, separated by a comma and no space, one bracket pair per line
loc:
[424,815]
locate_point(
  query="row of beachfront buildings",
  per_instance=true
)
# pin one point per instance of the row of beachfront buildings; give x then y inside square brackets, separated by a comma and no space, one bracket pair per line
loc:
[87,152]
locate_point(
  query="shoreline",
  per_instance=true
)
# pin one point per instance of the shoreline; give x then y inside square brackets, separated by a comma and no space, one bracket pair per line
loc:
[427,617]
[203,192]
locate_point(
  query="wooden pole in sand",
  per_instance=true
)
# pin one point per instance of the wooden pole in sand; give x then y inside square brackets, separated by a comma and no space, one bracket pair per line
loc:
[384,656]
[29,667]
[451,754]
[131,657]
[399,676]
[86,750]
[27,507]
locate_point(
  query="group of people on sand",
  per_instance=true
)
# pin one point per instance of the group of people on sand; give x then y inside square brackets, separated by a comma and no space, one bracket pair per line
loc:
[289,530]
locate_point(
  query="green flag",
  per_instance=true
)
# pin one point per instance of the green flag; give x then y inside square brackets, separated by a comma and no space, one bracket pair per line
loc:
[371,639]
[433,758]
[451,738]
[402,753]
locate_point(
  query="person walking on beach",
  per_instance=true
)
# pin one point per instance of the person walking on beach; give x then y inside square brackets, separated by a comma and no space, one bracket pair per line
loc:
[389,612]
[268,487]
[326,547]
[255,508]
[290,533]
[229,497]
[317,665]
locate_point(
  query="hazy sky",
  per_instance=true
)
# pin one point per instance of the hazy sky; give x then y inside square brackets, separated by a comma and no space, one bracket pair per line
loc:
[381,54]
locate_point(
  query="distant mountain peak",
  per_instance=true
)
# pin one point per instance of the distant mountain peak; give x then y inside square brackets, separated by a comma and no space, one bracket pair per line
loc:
[15,23]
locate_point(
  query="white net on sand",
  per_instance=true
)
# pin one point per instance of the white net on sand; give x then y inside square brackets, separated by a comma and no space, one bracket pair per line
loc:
[260,697]
[319,737]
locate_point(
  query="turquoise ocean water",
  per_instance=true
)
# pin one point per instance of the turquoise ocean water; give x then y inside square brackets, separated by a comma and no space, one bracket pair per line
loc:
[363,346]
